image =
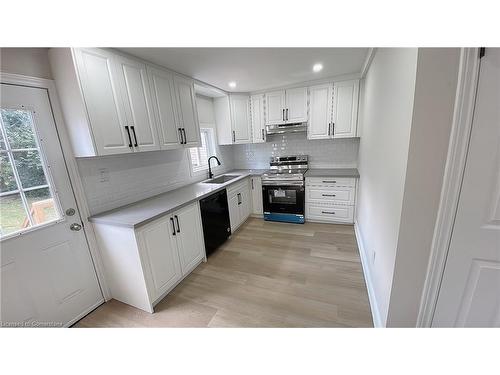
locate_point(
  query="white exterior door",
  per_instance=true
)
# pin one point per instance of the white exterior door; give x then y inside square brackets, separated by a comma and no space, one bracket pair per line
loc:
[189,235]
[47,274]
[345,108]
[187,112]
[470,290]
[296,105]
[257,115]
[240,114]
[137,103]
[320,112]
[101,91]
[164,103]
[275,107]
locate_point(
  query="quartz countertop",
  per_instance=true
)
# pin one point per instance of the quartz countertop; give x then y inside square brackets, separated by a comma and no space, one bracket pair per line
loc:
[142,212]
[336,172]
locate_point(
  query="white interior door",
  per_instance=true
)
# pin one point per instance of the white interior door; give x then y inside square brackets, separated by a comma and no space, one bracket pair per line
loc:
[470,290]
[47,274]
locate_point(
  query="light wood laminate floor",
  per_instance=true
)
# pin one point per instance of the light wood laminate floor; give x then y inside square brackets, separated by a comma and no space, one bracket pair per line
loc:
[267,275]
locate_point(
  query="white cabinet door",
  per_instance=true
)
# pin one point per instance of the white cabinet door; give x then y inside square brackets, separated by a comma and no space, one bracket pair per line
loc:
[164,104]
[189,235]
[187,112]
[296,105]
[240,114]
[257,116]
[245,203]
[159,252]
[345,109]
[234,211]
[137,102]
[101,91]
[275,107]
[320,112]
[257,208]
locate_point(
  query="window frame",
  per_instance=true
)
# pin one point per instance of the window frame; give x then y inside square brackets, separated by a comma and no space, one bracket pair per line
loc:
[46,171]
[211,150]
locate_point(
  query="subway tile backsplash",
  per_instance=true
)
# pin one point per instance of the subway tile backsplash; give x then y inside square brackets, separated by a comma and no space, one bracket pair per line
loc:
[327,153]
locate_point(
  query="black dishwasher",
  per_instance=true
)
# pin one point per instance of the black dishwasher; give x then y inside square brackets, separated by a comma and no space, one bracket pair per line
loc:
[215,219]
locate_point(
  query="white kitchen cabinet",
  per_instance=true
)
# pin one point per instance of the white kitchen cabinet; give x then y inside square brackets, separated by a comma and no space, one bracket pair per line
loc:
[256,187]
[345,109]
[239,202]
[136,96]
[286,106]
[115,104]
[187,112]
[257,116]
[232,118]
[165,107]
[320,112]
[143,264]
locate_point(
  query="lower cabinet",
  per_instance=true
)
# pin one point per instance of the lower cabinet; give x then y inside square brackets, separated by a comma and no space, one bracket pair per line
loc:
[330,200]
[239,202]
[144,264]
[256,188]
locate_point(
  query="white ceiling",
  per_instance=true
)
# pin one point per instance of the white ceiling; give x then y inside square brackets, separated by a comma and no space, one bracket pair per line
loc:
[255,69]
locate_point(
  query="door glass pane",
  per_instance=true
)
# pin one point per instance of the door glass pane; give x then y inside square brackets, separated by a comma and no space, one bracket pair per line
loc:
[41,205]
[19,128]
[7,179]
[281,196]
[29,167]
[12,214]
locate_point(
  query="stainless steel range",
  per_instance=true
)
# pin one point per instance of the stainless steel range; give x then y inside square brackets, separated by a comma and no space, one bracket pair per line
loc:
[283,190]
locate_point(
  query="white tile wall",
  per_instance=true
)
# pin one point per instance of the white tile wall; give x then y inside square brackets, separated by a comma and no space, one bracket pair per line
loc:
[326,153]
[113,181]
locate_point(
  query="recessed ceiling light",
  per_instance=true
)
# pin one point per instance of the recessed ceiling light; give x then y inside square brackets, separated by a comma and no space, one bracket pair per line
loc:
[232,84]
[317,67]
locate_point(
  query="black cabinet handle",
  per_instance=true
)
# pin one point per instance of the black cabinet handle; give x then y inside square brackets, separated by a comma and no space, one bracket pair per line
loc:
[177,220]
[283,114]
[333,129]
[129,137]
[262,134]
[329,128]
[287,114]
[329,182]
[328,195]
[328,212]
[239,198]
[135,135]
[184,133]
[180,134]
[173,226]
[252,184]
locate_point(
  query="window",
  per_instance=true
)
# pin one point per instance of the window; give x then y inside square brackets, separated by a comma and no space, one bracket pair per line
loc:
[26,198]
[200,155]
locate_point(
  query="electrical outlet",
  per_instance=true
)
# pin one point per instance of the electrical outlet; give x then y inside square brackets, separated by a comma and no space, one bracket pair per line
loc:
[103,174]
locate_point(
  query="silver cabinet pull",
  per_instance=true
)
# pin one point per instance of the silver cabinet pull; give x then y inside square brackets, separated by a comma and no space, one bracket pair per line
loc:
[75,226]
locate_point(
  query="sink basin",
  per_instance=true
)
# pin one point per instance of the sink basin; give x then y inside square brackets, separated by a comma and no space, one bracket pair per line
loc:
[221,179]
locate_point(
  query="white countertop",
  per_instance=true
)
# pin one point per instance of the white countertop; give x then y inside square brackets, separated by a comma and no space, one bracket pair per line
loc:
[335,172]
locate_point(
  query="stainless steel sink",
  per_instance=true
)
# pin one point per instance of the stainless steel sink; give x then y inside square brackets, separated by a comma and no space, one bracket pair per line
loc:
[221,179]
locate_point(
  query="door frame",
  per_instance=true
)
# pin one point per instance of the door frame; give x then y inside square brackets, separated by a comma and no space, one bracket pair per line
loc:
[458,147]
[71,166]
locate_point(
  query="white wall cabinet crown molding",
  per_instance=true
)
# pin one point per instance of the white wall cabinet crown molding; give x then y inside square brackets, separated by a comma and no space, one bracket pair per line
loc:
[116,104]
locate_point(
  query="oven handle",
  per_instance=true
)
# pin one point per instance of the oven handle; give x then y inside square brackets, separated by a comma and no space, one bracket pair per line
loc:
[283,183]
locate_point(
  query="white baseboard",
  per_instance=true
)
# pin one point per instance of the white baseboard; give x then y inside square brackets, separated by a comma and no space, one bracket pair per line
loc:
[377,320]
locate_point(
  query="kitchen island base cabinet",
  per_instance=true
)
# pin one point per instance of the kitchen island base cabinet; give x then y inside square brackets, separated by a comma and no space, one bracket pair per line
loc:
[143,264]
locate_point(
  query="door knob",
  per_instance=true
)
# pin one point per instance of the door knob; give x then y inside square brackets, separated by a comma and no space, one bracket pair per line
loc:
[70,211]
[75,226]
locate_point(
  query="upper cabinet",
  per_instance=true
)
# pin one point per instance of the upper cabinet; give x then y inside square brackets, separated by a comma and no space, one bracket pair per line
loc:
[333,110]
[286,106]
[115,104]
[232,117]
[345,109]
[257,116]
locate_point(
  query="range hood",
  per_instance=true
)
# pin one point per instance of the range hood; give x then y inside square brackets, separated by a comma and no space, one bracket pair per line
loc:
[286,128]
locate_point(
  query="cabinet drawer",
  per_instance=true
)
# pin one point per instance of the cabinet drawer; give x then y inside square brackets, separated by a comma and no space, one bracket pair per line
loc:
[237,187]
[330,181]
[331,213]
[340,195]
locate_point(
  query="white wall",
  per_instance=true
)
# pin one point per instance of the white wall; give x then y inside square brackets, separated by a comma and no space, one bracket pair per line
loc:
[437,74]
[113,181]
[26,61]
[387,104]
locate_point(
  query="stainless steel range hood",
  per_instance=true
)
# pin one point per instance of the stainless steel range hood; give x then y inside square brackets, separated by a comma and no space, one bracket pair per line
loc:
[286,128]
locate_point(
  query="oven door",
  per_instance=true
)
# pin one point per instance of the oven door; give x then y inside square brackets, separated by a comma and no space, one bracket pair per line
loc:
[283,199]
